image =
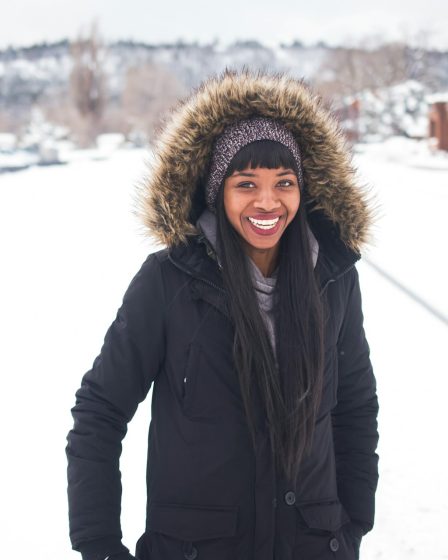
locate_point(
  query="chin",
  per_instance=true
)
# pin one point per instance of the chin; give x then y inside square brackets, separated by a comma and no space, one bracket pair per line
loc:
[261,244]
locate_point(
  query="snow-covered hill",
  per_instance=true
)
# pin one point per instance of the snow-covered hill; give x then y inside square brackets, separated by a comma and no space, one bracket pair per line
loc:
[30,74]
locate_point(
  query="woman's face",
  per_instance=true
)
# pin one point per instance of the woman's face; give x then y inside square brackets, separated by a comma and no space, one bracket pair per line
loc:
[260,203]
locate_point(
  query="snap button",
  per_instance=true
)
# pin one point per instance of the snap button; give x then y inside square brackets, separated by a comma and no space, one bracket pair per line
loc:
[334,544]
[191,554]
[290,498]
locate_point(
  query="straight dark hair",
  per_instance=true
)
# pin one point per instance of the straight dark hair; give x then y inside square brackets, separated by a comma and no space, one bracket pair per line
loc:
[290,393]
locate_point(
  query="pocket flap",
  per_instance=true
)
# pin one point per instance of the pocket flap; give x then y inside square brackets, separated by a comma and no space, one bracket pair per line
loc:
[324,515]
[193,522]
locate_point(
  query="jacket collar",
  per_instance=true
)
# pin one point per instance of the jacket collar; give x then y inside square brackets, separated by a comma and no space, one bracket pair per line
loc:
[198,258]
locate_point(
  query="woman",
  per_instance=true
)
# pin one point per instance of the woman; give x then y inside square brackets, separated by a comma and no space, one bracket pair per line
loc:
[249,326]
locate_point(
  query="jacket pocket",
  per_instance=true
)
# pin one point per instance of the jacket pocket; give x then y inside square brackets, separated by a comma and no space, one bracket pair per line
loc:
[325,516]
[321,532]
[211,391]
[192,531]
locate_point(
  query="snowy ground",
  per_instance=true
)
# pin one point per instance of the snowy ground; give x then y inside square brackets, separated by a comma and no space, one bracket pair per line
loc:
[70,248]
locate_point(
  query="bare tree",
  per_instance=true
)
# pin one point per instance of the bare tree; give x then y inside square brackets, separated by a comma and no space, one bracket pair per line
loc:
[149,91]
[88,84]
[422,67]
[13,120]
[348,70]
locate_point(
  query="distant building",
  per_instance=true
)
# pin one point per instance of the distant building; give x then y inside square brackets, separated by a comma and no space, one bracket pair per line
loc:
[438,119]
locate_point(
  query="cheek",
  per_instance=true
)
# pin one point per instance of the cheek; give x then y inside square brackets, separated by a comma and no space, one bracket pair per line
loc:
[232,208]
[228,209]
[293,205]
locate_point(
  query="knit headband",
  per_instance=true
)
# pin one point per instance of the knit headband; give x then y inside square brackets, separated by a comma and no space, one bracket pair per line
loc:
[238,135]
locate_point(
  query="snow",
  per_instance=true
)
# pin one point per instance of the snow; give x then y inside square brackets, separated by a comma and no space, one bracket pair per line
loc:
[110,142]
[17,159]
[421,154]
[439,97]
[408,355]
[7,141]
[72,248]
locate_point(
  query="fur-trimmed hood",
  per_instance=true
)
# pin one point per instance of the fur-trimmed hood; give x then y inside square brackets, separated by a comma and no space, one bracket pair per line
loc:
[169,200]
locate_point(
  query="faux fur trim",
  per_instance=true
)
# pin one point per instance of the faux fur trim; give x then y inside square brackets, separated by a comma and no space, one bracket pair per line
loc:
[163,199]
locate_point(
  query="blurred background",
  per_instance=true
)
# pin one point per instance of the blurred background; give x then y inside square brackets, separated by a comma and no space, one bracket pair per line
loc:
[84,89]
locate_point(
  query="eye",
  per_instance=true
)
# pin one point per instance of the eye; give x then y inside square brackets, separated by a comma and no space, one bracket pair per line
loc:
[245,185]
[286,183]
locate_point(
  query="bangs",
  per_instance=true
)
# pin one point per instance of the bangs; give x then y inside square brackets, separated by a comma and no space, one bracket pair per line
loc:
[262,153]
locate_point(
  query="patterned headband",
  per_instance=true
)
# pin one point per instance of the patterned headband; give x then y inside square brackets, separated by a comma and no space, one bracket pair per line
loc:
[238,135]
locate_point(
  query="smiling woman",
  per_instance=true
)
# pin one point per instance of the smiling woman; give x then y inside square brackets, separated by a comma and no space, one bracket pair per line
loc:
[249,323]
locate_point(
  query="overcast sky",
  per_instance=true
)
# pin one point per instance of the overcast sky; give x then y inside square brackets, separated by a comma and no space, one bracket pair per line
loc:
[25,22]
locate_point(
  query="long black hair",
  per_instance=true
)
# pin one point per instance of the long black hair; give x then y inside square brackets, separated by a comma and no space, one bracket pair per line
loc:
[290,393]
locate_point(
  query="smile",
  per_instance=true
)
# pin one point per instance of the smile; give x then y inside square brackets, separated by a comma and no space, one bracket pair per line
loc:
[264,224]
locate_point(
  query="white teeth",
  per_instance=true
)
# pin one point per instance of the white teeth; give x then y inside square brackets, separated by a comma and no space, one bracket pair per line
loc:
[264,224]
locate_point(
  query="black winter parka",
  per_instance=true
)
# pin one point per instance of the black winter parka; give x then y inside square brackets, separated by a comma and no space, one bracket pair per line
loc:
[209,495]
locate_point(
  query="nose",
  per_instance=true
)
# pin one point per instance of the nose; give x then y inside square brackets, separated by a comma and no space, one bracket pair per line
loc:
[267,200]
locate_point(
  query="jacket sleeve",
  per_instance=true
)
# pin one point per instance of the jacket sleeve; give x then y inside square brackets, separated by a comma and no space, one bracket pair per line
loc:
[120,378]
[355,428]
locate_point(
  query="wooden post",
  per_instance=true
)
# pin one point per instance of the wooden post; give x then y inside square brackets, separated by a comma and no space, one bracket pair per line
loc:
[438,124]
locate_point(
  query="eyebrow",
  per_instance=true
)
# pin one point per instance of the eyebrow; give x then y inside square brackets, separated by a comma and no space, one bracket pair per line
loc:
[246,174]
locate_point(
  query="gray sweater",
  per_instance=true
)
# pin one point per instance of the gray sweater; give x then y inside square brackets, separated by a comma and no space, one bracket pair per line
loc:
[264,287]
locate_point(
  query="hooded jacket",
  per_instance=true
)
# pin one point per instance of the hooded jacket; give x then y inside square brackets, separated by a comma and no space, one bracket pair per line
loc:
[209,494]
